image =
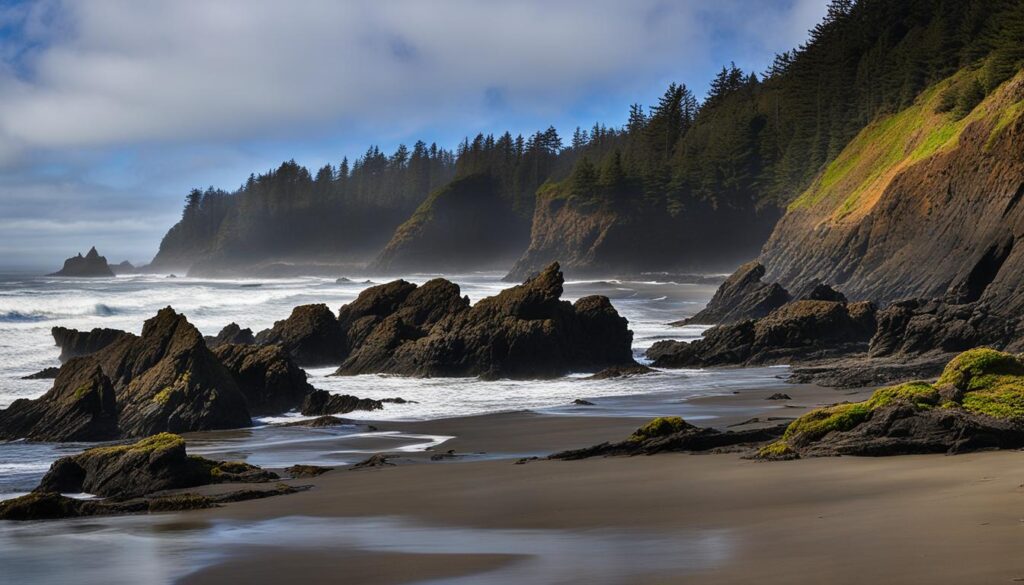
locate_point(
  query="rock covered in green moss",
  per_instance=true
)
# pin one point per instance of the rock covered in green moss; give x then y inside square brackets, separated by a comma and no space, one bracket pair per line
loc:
[977,402]
[150,465]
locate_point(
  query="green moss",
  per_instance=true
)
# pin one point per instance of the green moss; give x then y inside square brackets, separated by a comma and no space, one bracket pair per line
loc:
[156,442]
[777,450]
[659,427]
[921,394]
[164,396]
[979,368]
[180,502]
[1008,116]
[81,391]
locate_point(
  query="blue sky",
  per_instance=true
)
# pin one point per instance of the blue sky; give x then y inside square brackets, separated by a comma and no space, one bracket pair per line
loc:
[111,110]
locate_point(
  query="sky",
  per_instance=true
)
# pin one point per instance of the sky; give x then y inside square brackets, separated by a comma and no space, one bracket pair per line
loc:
[112,110]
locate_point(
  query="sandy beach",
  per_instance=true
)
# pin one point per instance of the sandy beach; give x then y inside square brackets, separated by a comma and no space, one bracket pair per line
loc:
[711,518]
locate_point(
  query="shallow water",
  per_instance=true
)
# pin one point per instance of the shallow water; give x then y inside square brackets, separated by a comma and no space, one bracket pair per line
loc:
[136,550]
[30,306]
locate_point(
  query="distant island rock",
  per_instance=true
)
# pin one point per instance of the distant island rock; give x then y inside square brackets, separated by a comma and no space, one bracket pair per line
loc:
[125,267]
[90,265]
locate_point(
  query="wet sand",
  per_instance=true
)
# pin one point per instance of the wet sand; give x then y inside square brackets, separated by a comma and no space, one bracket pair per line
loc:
[918,519]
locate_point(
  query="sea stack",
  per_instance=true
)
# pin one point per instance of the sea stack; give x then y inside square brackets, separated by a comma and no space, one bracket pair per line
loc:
[91,265]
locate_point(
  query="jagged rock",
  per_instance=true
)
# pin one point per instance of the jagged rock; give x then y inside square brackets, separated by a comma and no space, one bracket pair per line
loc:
[81,406]
[232,334]
[523,332]
[74,343]
[779,396]
[318,422]
[311,335]
[322,402]
[43,374]
[387,316]
[742,296]
[802,329]
[44,506]
[150,465]
[622,372]
[674,434]
[582,402]
[266,376]
[91,265]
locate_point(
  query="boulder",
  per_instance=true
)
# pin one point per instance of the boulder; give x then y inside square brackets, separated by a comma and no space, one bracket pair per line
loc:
[975,404]
[311,335]
[742,296]
[74,343]
[266,376]
[232,334]
[81,406]
[322,403]
[91,265]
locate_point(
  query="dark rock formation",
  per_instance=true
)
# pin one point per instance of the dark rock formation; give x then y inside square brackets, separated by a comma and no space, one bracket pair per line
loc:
[266,376]
[523,332]
[975,404]
[311,336]
[779,396]
[74,343]
[231,334]
[742,296]
[322,402]
[43,374]
[674,434]
[375,460]
[127,471]
[797,330]
[91,265]
[80,407]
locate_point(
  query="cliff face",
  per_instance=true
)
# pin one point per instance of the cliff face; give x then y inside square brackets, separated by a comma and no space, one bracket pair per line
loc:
[466,225]
[591,238]
[920,204]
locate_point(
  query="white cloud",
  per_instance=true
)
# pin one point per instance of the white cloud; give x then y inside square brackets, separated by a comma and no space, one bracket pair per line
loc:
[120,71]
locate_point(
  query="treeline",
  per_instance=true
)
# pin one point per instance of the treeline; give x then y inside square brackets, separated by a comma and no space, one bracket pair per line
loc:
[760,139]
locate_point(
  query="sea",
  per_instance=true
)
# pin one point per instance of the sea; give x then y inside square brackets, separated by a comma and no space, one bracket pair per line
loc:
[30,305]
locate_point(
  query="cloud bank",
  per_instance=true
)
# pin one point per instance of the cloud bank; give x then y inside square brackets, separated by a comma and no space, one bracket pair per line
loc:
[85,86]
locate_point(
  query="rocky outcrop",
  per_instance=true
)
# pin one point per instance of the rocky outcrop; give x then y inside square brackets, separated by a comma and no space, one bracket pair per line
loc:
[74,343]
[975,404]
[800,330]
[125,473]
[526,331]
[323,403]
[81,406]
[466,225]
[43,374]
[671,433]
[593,237]
[164,380]
[269,380]
[90,265]
[742,296]
[231,334]
[311,335]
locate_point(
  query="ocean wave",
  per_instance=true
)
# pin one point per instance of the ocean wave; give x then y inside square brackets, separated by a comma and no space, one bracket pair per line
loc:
[16,316]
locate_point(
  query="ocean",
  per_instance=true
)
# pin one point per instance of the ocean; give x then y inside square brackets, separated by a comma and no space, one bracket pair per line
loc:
[31,305]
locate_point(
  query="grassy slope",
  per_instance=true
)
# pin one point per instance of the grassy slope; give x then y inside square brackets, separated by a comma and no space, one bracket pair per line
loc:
[852,183]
